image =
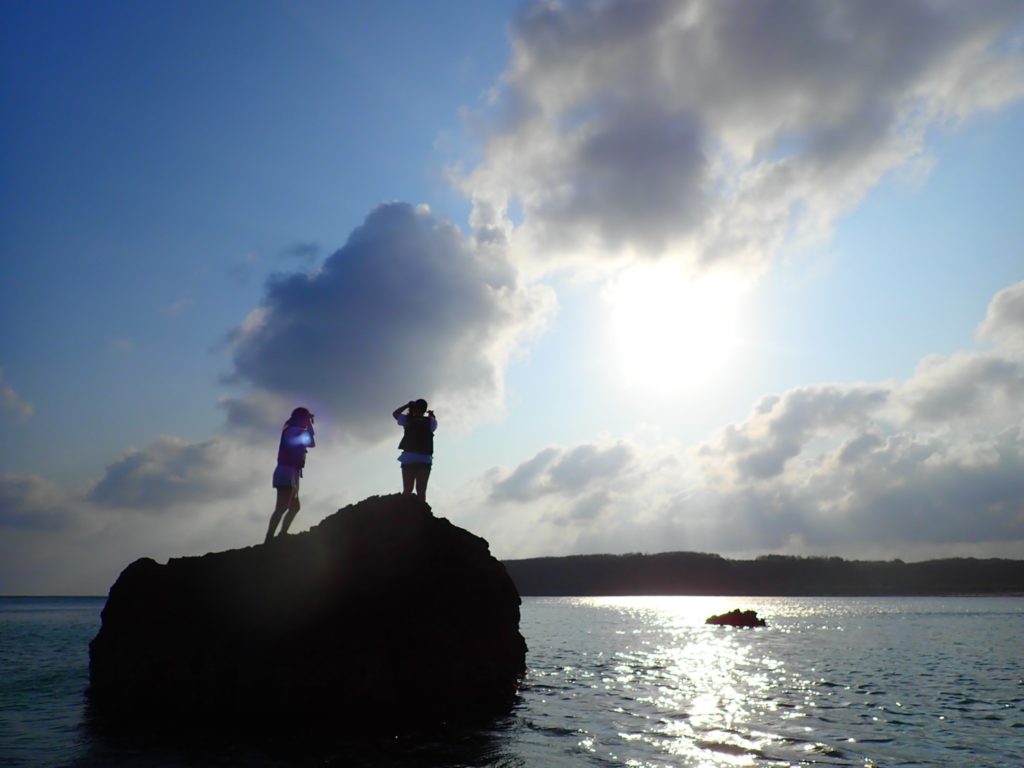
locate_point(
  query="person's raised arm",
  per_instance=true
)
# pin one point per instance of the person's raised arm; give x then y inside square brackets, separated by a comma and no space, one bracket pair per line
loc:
[433,421]
[398,411]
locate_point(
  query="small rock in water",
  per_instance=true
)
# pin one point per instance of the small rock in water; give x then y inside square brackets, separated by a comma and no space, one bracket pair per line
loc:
[737,618]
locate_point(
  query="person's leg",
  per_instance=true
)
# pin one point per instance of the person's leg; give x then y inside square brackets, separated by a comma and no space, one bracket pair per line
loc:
[408,474]
[293,510]
[284,499]
[422,475]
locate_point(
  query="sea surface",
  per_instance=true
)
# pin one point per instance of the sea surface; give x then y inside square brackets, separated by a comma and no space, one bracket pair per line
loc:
[639,682]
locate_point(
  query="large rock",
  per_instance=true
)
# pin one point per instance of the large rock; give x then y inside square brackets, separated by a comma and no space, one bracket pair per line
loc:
[380,615]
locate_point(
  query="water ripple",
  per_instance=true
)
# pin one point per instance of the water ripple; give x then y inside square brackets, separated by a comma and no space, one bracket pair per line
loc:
[637,682]
[846,682]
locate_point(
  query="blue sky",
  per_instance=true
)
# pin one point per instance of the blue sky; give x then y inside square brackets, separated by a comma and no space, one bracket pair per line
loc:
[673,275]
[165,158]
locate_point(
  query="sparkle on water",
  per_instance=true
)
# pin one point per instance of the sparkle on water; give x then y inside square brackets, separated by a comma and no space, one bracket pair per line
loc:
[830,681]
[638,682]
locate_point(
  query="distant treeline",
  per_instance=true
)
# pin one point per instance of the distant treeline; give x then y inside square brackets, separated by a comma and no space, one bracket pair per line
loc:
[695,573]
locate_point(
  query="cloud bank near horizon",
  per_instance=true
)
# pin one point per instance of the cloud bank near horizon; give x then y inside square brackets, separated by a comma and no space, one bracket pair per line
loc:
[169,498]
[926,467]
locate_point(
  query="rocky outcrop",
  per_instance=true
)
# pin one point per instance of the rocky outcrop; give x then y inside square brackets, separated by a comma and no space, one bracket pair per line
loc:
[737,618]
[381,614]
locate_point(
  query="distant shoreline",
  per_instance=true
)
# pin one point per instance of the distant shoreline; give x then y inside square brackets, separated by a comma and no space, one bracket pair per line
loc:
[701,574]
[710,594]
[709,575]
[53,597]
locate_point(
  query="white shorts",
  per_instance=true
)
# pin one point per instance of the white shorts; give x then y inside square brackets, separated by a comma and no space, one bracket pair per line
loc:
[287,477]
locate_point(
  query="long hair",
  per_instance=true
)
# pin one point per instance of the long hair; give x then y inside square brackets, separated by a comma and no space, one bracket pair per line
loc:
[299,416]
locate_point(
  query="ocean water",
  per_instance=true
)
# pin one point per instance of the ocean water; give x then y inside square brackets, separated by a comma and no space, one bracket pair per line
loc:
[638,682]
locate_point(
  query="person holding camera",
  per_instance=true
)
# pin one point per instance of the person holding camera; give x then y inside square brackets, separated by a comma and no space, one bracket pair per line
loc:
[417,445]
[296,438]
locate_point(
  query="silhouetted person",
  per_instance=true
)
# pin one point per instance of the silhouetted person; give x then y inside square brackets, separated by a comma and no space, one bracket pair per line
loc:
[296,438]
[417,445]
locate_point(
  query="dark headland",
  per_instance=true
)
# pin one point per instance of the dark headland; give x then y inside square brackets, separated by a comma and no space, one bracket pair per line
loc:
[694,573]
[381,616]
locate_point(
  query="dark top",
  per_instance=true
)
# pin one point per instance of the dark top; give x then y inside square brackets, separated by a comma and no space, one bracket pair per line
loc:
[292,450]
[418,437]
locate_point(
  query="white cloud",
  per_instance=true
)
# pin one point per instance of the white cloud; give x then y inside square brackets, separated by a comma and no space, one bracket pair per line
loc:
[781,426]
[717,129]
[918,486]
[1004,321]
[965,385]
[171,472]
[554,471]
[976,385]
[407,308]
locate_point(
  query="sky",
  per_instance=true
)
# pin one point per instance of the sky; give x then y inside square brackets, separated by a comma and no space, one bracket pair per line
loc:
[727,277]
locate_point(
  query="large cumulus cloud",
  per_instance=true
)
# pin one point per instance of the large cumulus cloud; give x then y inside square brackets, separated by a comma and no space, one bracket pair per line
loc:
[408,307]
[718,128]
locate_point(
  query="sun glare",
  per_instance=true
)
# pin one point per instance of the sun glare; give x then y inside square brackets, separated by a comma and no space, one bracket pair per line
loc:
[672,331]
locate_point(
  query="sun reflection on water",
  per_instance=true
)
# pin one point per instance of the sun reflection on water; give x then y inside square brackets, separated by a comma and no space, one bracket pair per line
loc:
[830,681]
[702,681]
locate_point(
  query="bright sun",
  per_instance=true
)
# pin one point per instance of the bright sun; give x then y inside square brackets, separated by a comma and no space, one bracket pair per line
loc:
[672,331]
